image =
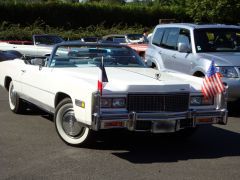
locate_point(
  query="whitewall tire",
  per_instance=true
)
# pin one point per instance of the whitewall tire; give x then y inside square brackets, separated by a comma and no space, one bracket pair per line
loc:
[68,128]
[15,103]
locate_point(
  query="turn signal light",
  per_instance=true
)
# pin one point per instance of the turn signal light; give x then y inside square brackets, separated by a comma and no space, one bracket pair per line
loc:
[205,120]
[113,124]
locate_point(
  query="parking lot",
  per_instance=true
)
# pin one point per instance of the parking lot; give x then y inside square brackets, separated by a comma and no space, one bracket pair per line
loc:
[31,149]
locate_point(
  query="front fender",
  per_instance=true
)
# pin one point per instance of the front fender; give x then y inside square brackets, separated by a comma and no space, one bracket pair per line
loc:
[198,69]
[153,57]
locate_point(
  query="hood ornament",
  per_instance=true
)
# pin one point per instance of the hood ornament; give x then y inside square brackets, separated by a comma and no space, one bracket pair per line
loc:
[157,76]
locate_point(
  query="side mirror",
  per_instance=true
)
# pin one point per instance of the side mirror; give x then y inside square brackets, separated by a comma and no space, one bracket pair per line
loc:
[38,61]
[184,48]
[41,63]
[149,63]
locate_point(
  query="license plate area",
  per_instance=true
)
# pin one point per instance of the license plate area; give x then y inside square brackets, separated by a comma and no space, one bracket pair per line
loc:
[143,125]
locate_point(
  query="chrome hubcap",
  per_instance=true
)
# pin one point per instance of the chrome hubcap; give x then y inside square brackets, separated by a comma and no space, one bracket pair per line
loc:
[70,126]
[12,96]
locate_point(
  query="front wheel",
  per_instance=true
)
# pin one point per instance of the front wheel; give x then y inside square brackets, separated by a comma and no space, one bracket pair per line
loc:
[15,103]
[69,129]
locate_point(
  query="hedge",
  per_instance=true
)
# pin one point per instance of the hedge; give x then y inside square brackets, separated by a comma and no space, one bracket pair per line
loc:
[75,15]
[18,32]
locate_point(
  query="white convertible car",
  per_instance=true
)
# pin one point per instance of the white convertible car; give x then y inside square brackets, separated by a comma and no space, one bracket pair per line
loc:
[136,98]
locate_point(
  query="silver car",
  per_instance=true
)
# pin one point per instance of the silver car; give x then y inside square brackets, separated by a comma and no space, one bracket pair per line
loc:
[189,48]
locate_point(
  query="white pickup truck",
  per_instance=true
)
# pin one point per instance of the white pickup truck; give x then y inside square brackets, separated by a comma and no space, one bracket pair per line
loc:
[41,45]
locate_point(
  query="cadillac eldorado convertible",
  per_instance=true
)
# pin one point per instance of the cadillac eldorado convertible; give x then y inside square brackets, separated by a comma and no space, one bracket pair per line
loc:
[134,97]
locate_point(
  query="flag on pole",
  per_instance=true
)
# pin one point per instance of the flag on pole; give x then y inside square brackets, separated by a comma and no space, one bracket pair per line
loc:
[212,83]
[102,80]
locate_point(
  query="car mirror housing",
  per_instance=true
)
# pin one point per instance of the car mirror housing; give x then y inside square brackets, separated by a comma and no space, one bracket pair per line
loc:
[149,63]
[183,47]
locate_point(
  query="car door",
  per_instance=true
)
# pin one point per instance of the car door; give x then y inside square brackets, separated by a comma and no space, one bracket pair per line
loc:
[36,86]
[153,53]
[182,61]
[169,45]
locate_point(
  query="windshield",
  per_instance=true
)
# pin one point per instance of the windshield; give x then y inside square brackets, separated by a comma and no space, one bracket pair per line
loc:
[217,40]
[92,56]
[119,40]
[48,40]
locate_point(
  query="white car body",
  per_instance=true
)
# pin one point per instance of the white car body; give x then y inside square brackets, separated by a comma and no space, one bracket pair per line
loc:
[27,50]
[47,86]
[41,46]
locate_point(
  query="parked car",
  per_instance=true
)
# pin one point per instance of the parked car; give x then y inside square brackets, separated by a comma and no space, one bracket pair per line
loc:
[41,45]
[135,41]
[124,38]
[90,39]
[135,97]
[190,48]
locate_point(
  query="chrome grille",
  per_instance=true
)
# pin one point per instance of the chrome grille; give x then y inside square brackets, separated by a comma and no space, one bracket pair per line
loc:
[158,102]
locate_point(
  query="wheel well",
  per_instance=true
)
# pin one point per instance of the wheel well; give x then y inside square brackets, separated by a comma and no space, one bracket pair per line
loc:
[199,74]
[154,66]
[59,97]
[7,82]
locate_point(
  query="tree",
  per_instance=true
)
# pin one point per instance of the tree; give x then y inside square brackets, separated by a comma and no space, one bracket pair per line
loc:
[217,11]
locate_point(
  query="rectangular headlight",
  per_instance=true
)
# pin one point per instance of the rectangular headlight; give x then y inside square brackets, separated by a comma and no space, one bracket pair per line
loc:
[119,102]
[110,102]
[228,72]
[201,101]
[106,102]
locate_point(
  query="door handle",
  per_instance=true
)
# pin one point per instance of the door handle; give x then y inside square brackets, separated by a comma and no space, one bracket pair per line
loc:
[23,71]
[160,52]
[174,56]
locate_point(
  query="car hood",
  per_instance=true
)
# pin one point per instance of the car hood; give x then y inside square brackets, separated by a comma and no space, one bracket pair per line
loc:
[133,79]
[223,58]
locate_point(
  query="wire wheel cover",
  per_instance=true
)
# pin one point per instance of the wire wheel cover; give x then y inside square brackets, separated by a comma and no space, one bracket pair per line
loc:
[70,125]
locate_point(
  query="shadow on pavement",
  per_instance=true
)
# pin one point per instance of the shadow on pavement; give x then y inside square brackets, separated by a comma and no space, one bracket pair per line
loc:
[209,142]
[33,110]
[234,109]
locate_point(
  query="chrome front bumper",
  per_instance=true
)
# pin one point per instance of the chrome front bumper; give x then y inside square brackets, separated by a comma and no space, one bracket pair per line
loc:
[158,122]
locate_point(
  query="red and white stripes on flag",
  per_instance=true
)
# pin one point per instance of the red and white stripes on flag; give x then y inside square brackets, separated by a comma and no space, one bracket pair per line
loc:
[212,83]
[102,79]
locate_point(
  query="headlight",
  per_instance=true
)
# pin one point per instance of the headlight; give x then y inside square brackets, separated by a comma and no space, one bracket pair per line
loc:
[228,72]
[118,102]
[106,102]
[201,101]
[113,102]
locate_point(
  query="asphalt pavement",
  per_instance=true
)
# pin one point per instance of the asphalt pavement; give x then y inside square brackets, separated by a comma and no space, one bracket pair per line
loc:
[31,149]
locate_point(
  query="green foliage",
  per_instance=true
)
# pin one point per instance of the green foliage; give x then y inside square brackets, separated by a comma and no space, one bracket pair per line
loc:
[218,11]
[19,19]
[75,15]
[17,32]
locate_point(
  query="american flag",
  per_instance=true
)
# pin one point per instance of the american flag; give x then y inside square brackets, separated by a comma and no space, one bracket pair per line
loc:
[102,79]
[212,83]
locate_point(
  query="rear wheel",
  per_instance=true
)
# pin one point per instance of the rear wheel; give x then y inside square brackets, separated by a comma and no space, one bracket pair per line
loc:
[15,103]
[69,129]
